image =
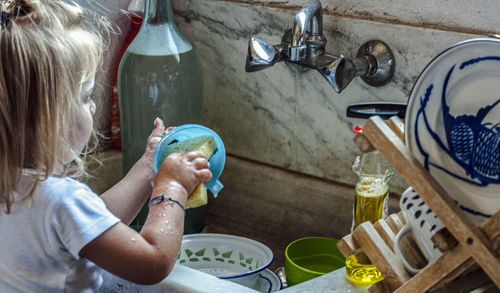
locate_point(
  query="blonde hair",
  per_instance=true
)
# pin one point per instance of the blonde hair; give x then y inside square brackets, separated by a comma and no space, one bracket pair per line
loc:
[45,55]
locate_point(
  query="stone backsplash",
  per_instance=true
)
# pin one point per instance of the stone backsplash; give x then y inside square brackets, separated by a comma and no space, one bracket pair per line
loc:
[289,117]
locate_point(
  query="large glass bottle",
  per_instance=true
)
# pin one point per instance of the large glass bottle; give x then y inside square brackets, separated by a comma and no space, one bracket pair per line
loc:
[371,197]
[159,76]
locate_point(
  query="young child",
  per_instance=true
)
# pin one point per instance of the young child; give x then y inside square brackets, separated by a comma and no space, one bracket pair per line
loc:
[56,232]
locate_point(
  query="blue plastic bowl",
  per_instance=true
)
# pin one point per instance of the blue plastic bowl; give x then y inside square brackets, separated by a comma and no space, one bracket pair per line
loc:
[186,131]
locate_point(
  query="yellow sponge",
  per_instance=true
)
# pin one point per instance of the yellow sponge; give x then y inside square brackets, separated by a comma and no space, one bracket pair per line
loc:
[205,144]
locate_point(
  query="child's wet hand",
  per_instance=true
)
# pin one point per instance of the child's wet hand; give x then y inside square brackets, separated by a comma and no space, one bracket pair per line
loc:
[153,140]
[187,169]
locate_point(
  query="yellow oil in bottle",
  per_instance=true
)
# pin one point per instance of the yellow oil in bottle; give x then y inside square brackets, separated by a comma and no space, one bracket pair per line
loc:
[360,271]
[370,204]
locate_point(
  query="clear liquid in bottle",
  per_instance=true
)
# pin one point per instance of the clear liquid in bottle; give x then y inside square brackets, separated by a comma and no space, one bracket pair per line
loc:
[168,87]
[159,75]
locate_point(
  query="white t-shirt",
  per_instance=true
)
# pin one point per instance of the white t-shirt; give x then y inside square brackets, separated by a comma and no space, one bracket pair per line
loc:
[41,240]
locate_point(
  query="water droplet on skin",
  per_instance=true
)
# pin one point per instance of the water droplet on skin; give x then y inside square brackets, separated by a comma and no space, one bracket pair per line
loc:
[161,230]
[158,246]
[133,239]
[166,221]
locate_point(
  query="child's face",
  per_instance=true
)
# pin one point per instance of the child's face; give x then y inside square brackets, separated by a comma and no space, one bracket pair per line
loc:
[84,124]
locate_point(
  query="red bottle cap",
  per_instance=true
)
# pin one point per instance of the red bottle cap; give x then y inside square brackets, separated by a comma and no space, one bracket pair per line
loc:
[357,129]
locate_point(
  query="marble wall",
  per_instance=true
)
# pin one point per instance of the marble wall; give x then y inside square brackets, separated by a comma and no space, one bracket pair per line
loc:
[288,140]
[290,117]
[287,116]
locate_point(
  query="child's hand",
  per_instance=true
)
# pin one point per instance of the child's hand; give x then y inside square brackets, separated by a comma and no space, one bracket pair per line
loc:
[153,140]
[185,169]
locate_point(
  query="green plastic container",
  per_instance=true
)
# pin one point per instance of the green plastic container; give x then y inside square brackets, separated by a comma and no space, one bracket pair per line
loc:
[311,257]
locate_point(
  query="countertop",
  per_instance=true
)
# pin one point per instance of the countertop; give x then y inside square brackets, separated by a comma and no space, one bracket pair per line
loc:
[185,279]
[331,282]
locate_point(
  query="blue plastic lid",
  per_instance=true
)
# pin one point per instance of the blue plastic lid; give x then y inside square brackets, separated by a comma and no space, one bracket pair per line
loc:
[183,132]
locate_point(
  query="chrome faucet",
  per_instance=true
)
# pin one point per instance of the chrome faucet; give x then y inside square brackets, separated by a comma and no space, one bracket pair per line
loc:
[311,13]
[374,62]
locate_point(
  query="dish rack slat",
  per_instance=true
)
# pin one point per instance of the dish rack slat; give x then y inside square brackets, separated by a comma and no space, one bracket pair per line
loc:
[470,252]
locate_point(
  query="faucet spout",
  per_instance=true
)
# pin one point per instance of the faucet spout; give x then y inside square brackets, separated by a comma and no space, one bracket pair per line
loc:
[311,14]
[374,62]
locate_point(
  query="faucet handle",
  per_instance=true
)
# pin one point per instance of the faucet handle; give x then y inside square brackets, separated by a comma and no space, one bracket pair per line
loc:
[260,55]
[339,73]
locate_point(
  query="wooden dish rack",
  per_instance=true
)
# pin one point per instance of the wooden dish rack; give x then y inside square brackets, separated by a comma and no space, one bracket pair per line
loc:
[470,258]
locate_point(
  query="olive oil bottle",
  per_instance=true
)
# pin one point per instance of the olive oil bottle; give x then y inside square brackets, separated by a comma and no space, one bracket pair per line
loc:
[370,204]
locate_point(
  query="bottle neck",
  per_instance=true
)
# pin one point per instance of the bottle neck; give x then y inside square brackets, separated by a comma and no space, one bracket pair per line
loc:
[158,35]
[158,12]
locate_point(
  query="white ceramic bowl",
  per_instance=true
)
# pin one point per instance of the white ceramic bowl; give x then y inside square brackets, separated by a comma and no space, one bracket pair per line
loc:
[230,257]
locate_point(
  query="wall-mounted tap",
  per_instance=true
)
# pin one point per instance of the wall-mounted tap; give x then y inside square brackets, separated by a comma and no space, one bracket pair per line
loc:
[374,62]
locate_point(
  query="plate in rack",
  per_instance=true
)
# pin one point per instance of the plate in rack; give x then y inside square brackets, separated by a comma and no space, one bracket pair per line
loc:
[452,124]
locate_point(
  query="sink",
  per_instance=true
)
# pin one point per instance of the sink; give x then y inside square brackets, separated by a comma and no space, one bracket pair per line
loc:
[184,279]
[274,214]
[181,279]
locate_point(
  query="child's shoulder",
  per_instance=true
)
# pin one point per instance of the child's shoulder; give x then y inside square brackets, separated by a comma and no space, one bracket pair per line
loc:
[59,189]
[62,184]
[66,182]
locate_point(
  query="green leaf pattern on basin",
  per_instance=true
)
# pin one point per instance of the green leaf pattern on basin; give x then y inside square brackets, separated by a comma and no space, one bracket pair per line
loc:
[204,255]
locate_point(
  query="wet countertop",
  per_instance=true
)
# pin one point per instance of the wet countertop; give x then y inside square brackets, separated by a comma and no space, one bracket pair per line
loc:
[185,279]
[331,282]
